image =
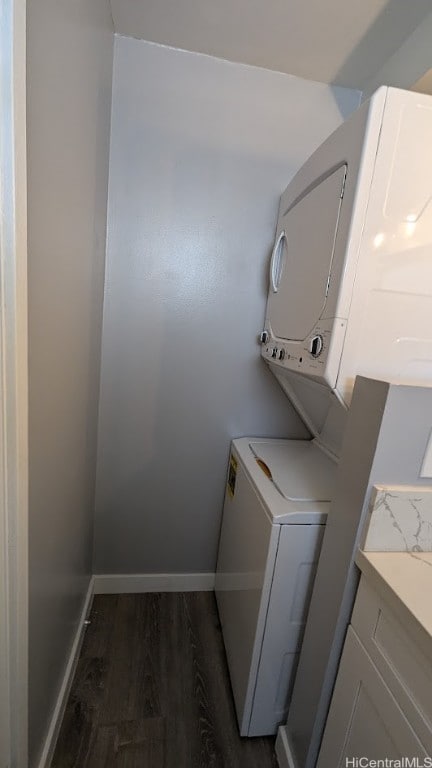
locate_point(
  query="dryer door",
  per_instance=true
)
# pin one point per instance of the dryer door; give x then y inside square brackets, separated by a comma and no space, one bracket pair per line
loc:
[302,258]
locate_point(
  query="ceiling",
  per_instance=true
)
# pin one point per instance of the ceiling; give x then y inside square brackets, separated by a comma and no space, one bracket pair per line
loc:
[333,41]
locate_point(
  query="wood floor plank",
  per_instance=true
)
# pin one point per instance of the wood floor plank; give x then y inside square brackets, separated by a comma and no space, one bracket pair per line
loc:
[103,748]
[81,712]
[141,743]
[152,690]
[195,725]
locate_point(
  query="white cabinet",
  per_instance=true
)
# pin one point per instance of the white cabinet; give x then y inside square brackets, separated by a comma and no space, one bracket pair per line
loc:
[382,702]
[365,720]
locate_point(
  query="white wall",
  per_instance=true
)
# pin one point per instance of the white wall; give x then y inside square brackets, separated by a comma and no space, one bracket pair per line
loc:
[200,152]
[408,63]
[70,45]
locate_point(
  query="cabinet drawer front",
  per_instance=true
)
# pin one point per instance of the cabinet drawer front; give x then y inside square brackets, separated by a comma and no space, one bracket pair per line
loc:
[364,719]
[403,665]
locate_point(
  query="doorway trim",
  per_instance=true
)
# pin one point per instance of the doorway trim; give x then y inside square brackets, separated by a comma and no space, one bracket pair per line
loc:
[13,386]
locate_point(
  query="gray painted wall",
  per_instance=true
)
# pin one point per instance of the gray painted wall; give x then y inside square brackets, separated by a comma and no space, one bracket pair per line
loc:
[200,152]
[408,63]
[387,433]
[70,46]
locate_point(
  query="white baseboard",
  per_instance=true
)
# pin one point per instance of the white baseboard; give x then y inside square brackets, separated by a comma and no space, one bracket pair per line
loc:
[283,751]
[57,716]
[124,583]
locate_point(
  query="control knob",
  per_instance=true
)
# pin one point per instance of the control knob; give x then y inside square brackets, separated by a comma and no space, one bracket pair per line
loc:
[316,345]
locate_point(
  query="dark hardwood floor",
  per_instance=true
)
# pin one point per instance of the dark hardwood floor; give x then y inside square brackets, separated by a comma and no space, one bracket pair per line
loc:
[152,690]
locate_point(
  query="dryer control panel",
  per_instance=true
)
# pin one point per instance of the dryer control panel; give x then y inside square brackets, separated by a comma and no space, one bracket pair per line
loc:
[310,356]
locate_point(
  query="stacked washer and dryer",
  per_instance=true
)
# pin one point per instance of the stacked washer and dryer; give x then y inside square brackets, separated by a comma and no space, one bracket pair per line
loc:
[350,293]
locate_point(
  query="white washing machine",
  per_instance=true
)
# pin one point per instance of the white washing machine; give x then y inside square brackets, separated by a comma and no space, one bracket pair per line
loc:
[276,503]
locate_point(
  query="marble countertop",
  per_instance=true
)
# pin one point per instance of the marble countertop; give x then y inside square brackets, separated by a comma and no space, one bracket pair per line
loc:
[404,580]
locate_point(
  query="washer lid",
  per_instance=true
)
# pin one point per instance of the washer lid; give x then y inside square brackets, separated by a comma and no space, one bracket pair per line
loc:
[300,470]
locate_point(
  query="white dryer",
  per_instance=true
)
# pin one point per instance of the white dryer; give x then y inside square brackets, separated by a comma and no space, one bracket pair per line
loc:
[351,271]
[276,503]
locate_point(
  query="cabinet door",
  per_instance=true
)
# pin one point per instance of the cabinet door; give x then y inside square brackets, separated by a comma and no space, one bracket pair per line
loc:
[364,719]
